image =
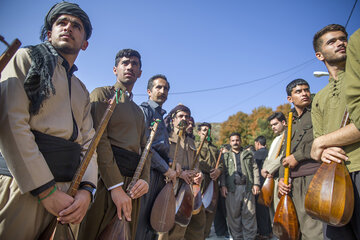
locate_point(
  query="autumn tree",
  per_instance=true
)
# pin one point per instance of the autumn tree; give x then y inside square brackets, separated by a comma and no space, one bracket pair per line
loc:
[235,123]
[250,126]
[284,108]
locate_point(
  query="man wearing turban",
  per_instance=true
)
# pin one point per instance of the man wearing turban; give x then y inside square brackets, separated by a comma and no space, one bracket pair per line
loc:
[185,156]
[46,128]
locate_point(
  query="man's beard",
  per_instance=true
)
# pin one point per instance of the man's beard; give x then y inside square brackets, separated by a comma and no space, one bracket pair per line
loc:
[334,61]
[66,50]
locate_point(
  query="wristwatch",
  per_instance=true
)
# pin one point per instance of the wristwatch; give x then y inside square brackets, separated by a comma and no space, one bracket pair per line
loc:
[91,190]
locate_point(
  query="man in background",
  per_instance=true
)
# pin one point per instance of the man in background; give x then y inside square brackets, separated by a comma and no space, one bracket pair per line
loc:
[272,163]
[239,183]
[262,212]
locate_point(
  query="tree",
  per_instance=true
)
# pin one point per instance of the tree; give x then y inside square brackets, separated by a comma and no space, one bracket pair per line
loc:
[235,123]
[284,108]
[249,126]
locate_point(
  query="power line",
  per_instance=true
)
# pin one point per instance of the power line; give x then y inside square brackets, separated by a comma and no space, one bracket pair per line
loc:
[237,84]
[352,10]
[254,95]
[266,89]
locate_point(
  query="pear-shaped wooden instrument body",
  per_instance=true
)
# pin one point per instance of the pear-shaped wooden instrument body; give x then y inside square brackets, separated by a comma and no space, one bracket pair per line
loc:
[267,192]
[330,196]
[286,224]
[162,216]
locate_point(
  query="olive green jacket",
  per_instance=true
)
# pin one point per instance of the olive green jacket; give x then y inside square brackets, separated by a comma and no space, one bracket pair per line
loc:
[248,168]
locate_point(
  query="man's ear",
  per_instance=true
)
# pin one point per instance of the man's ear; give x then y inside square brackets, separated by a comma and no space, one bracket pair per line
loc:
[289,98]
[49,36]
[319,56]
[84,45]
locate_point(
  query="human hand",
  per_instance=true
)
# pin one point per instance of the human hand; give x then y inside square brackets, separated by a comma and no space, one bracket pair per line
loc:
[171,175]
[283,188]
[255,190]
[224,191]
[186,175]
[265,173]
[76,211]
[198,178]
[122,202]
[290,161]
[335,154]
[178,170]
[317,149]
[215,173]
[56,202]
[140,188]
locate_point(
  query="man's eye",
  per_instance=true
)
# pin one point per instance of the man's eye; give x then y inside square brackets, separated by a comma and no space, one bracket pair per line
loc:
[78,26]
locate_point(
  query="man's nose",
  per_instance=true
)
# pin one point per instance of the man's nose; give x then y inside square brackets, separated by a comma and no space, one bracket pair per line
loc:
[340,42]
[68,27]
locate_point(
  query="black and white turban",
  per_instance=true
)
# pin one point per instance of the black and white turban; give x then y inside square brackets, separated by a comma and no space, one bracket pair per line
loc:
[65,8]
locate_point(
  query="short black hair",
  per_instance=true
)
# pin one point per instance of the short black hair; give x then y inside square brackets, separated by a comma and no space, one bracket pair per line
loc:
[191,119]
[329,28]
[261,139]
[204,124]
[235,134]
[278,115]
[295,83]
[127,53]
[153,78]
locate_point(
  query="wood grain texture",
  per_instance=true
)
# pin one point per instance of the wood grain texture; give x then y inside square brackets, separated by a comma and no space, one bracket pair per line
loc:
[267,192]
[184,205]
[116,230]
[286,225]
[330,196]
[162,216]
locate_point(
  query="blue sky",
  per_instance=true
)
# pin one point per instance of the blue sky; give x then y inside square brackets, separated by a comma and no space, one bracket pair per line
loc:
[198,45]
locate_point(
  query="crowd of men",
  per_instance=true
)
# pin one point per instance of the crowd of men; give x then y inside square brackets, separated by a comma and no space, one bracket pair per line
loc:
[48,120]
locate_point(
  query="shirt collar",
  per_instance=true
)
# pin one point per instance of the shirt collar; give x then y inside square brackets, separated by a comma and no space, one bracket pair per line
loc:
[157,107]
[130,95]
[340,76]
[66,65]
[307,109]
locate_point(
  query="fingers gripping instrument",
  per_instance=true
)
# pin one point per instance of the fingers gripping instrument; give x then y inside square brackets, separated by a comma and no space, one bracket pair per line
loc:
[286,224]
[120,229]
[162,216]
